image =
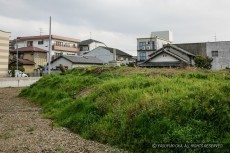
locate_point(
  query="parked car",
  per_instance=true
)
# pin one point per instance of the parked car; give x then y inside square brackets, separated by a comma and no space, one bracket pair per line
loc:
[17,73]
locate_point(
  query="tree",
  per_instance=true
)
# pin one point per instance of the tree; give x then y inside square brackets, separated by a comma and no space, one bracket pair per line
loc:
[203,62]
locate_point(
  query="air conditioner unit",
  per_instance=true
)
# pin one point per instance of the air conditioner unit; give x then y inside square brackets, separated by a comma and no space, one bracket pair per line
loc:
[143,48]
[147,47]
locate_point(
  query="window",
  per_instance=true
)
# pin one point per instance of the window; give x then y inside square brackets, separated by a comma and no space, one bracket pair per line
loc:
[58,54]
[142,44]
[58,43]
[29,43]
[142,56]
[41,42]
[214,53]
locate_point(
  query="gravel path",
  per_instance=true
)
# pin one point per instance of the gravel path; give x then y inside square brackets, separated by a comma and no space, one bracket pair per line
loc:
[22,130]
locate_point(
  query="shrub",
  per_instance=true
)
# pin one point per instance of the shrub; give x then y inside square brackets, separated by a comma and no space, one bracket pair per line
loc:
[203,62]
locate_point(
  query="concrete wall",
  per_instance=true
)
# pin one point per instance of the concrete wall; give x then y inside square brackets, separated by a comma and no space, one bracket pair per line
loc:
[223,59]
[17,82]
[4,53]
[195,48]
[167,35]
[205,49]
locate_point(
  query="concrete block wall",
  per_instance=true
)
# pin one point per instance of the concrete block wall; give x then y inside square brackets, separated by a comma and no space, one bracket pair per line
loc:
[17,82]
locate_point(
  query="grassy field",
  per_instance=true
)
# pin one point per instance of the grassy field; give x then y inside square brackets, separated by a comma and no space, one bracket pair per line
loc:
[133,108]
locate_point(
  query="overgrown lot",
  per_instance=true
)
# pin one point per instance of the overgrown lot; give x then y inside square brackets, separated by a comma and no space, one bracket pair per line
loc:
[134,108]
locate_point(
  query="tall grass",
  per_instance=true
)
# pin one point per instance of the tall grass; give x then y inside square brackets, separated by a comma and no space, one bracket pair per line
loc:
[137,110]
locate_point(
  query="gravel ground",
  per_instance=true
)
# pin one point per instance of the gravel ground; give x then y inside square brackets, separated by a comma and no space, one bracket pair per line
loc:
[22,130]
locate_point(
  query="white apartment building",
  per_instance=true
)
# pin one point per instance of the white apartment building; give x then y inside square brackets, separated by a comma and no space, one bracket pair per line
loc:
[4,53]
[59,45]
[148,45]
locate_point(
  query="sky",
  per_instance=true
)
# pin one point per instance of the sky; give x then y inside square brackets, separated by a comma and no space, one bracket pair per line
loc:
[118,23]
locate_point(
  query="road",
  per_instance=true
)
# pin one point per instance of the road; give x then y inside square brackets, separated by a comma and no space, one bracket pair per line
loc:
[23,129]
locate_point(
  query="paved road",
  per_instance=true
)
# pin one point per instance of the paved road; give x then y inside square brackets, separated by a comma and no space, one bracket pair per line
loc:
[22,129]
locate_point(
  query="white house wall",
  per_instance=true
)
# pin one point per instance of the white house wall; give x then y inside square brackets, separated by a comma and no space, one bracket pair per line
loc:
[160,43]
[164,58]
[62,61]
[45,45]
[101,54]
[94,45]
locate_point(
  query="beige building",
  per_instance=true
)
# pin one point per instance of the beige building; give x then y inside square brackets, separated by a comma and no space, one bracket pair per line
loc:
[4,53]
[29,58]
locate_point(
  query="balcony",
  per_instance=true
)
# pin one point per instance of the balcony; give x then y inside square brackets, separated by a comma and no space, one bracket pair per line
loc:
[65,48]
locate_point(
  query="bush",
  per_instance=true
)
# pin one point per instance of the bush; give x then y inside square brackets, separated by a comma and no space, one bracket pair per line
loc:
[203,62]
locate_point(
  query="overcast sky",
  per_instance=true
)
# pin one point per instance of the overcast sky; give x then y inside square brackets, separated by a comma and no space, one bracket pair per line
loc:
[118,23]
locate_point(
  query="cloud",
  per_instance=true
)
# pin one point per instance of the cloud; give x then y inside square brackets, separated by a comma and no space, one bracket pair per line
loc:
[119,22]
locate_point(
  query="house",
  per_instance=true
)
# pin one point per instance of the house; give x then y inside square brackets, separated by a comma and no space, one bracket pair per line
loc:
[219,51]
[28,65]
[149,45]
[70,62]
[32,56]
[59,45]
[4,53]
[106,55]
[169,56]
[90,44]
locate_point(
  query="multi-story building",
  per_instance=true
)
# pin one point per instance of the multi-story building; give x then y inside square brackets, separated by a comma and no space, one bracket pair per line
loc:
[148,45]
[219,51]
[59,45]
[29,58]
[4,53]
[88,45]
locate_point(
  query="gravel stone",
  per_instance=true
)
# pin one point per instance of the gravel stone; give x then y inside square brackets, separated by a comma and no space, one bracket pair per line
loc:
[24,130]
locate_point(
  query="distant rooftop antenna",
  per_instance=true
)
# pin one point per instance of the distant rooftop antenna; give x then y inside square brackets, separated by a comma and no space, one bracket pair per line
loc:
[41,31]
[215,37]
[90,34]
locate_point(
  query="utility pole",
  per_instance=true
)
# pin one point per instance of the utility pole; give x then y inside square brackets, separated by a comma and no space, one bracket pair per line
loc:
[17,55]
[49,48]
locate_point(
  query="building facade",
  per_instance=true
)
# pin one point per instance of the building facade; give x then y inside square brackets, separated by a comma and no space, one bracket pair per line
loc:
[59,45]
[70,62]
[219,51]
[169,56]
[4,53]
[149,45]
[106,54]
[88,45]
[32,56]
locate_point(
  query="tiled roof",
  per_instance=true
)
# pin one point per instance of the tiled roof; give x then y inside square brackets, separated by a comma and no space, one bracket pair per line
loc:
[88,41]
[29,49]
[81,59]
[23,62]
[175,47]
[47,37]
[118,52]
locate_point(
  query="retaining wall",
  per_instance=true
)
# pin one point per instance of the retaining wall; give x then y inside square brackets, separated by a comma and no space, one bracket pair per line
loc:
[17,82]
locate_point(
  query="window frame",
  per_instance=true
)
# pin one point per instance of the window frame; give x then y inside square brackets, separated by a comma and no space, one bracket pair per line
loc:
[215,53]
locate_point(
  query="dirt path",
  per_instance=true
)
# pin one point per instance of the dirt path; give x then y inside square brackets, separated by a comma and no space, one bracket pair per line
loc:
[22,129]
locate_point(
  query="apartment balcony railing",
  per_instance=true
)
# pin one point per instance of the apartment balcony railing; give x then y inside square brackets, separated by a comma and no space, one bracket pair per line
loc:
[65,48]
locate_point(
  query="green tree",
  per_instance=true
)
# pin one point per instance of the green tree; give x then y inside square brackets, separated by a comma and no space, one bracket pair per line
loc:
[203,62]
